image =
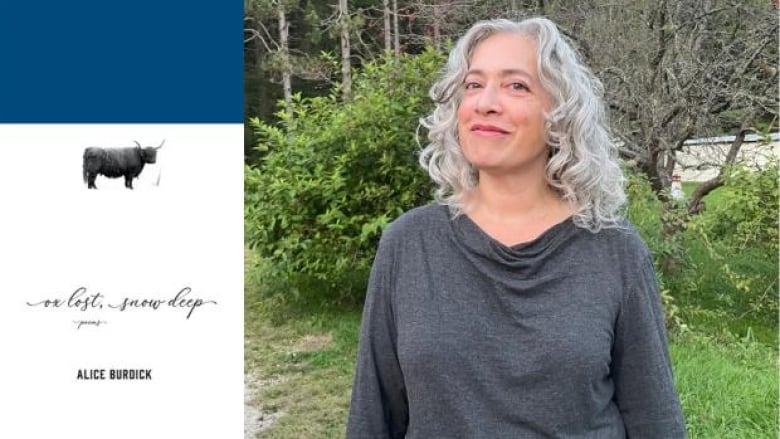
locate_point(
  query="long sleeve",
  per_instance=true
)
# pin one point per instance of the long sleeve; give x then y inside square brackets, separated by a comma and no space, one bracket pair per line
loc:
[641,369]
[379,407]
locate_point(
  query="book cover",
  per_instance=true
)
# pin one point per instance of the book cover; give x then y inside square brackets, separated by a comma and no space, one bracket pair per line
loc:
[121,239]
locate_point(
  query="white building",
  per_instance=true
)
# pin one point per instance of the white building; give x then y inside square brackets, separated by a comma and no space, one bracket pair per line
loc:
[701,158]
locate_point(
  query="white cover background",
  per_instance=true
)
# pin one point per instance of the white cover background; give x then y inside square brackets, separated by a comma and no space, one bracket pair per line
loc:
[55,236]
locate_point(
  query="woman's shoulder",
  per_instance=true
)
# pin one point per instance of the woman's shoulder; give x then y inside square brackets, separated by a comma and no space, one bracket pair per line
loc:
[418,221]
[624,238]
[419,218]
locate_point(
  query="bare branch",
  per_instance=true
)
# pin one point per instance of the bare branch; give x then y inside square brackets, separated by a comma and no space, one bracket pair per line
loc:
[695,204]
[663,39]
[671,114]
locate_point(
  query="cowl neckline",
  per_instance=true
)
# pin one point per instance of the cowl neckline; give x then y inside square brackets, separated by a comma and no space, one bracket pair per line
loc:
[472,238]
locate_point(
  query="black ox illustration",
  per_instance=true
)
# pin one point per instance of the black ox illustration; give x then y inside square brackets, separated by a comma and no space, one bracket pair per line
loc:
[117,162]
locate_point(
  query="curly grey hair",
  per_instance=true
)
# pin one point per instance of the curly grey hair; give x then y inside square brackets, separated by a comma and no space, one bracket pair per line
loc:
[583,165]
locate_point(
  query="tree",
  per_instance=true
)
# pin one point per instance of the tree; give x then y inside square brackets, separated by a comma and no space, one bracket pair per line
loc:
[396,33]
[257,12]
[346,69]
[284,52]
[388,32]
[677,70]
[278,54]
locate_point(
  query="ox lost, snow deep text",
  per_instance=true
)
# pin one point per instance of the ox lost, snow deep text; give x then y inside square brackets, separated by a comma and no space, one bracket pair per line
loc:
[82,300]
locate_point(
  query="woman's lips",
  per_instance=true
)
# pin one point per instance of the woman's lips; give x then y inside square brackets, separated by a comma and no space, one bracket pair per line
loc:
[488,130]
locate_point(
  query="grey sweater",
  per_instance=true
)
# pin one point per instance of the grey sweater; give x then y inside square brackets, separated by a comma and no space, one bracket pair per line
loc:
[463,337]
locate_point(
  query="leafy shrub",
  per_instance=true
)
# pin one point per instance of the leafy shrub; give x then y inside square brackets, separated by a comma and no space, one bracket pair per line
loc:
[746,215]
[652,219]
[335,174]
[735,244]
[725,258]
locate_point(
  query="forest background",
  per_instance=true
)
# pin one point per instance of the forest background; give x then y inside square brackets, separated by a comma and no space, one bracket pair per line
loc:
[334,93]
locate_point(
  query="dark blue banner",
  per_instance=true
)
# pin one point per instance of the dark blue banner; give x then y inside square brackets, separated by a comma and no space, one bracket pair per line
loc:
[103,61]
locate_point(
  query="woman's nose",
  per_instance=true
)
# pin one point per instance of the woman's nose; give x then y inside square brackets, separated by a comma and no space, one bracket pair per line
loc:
[488,101]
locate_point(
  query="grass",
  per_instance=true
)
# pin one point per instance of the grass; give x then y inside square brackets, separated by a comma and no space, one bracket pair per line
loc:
[727,389]
[302,359]
[711,198]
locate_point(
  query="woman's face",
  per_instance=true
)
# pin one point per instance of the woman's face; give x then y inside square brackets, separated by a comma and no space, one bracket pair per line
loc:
[501,117]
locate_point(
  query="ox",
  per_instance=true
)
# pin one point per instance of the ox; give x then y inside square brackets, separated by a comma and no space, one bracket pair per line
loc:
[117,162]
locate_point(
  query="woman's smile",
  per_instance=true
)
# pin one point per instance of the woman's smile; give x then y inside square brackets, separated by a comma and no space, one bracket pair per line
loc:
[488,130]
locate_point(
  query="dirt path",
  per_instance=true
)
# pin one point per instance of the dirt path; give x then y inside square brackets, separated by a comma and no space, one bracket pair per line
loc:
[255,420]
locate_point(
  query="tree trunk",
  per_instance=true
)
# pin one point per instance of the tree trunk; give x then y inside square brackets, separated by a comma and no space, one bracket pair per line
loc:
[669,164]
[651,166]
[437,26]
[285,52]
[388,33]
[396,32]
[346,69]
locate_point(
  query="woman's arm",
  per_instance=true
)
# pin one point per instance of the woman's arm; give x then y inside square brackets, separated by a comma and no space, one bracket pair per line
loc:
[379,406]
[641,370]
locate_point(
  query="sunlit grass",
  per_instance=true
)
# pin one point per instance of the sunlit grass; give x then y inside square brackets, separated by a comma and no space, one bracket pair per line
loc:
[727,389]
[713,197]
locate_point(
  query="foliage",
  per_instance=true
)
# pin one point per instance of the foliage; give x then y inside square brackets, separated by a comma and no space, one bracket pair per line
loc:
[736,246]
[711,302]
[335,174]
[724,258]
[651,217]
[747,214]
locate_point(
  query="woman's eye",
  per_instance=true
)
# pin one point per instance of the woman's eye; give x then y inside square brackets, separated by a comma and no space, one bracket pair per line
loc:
[518,86]
[471,85]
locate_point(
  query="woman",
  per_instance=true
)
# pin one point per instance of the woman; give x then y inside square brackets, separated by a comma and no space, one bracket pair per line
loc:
[520,306]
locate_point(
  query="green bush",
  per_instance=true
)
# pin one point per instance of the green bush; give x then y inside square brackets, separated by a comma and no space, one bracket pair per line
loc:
[335,174]
[657,222]
[719,268]
[746,215]
[653,219]
[734,245]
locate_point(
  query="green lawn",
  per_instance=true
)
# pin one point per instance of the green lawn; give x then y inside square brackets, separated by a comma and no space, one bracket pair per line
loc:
[727,390]
[711,198]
